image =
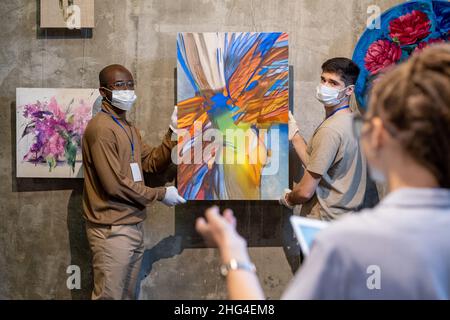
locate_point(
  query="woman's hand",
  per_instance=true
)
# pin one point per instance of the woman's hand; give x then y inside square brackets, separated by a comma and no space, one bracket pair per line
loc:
[220,231]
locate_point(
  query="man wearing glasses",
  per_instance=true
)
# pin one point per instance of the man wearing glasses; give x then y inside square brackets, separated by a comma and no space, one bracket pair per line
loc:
[335,175]
[115,196]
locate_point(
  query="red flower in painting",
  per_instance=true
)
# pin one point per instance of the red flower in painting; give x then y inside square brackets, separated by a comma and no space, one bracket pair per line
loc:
[381,54]
[410,28]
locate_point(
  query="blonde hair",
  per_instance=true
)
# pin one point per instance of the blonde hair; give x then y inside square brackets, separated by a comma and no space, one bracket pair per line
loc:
[415,98]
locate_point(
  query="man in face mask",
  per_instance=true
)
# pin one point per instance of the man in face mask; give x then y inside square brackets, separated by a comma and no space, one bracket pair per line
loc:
[334,180]
[115,196]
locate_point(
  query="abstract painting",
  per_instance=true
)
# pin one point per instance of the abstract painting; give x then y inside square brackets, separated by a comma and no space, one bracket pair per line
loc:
[50,124]
[233,103]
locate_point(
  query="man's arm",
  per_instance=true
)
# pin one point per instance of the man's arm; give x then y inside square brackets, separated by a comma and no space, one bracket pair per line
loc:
[325,146]
[300,148]
[305,190]
[157,159]
[297,140]
[116,183]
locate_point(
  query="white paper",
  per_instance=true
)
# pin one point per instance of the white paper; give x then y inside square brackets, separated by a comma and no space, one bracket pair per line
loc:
[136,171]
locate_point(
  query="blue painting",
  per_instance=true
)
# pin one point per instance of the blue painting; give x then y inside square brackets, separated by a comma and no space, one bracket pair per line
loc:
[235,87]
[404,30]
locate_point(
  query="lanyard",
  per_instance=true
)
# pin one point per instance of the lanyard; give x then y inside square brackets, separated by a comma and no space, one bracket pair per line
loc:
[130,139]
[341,108]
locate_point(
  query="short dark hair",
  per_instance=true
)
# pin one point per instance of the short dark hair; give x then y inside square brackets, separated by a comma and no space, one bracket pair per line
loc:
[106,73]
[344,67]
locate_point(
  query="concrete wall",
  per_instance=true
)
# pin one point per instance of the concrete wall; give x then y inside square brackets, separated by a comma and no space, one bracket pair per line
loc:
[41,230]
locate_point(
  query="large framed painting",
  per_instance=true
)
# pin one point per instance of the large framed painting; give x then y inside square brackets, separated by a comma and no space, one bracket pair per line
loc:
[233,104]
[49,125]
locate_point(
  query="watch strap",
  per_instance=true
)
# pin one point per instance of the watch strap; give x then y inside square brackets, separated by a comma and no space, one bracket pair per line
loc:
[236,265]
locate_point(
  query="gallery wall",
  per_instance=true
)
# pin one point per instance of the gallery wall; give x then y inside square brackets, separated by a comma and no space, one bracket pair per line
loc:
[41,229]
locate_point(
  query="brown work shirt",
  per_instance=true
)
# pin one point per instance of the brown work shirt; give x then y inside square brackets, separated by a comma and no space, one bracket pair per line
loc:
[111,196]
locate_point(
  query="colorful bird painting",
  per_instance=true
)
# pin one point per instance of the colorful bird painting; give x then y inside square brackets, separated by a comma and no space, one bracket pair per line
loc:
[235,85]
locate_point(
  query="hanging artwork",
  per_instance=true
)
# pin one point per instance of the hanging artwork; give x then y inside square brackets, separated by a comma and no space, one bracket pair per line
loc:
[393,37]
[233,105]
[50,125]
[71,14]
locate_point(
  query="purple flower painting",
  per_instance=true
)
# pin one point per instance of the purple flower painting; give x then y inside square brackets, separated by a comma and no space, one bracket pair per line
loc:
[50,126]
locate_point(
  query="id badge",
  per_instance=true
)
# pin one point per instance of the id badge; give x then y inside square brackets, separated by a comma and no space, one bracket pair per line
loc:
[136,171]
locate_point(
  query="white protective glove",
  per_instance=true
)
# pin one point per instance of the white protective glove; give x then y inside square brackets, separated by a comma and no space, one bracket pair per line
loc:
[283,200]
[172,198]
[174,120]
[293,128]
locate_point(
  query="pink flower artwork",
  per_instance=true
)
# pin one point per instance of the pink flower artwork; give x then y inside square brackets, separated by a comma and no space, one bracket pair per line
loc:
[50,126]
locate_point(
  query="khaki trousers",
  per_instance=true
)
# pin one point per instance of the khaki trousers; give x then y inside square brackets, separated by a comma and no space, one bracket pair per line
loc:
[117,253]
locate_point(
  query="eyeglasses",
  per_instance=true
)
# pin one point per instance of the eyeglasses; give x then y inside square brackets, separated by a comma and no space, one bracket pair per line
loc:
[123,84]
[359,121]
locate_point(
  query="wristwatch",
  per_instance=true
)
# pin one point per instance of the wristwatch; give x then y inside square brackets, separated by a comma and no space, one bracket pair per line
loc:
[235,265]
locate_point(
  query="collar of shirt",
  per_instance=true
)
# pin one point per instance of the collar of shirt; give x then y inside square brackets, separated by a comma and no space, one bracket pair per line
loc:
[107,107]
[418,197]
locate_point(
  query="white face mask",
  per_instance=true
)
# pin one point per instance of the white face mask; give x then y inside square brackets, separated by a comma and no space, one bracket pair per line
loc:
[329,96]
[123,99]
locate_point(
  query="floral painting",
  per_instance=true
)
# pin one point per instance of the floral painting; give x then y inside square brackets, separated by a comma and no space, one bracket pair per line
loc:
[50,126]
[233,104]
[404,30]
